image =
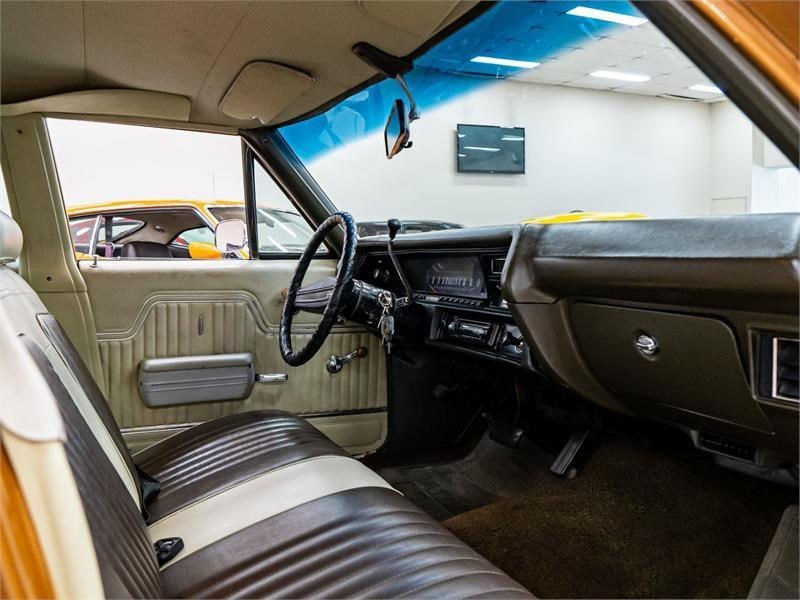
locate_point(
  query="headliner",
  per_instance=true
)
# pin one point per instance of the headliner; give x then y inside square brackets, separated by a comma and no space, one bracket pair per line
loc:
[196,49]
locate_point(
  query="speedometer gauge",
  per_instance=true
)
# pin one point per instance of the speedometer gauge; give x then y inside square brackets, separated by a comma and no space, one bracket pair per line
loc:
[447,276]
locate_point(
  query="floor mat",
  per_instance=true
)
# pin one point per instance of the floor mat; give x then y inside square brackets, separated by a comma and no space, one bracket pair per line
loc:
[635,523]
[489,473]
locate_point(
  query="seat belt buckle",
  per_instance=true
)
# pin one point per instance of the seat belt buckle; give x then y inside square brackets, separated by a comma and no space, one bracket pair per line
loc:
[167,549]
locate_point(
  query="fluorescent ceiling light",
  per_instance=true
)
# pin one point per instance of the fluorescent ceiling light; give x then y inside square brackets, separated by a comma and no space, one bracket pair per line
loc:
[620,76]
[481,148]
[706,87]
[606,15]
[512,138]
[505,62]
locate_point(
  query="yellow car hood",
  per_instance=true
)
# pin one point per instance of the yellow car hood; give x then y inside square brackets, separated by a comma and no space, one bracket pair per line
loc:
[574,217]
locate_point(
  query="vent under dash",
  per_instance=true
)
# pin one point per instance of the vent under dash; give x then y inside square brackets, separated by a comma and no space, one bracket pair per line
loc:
[785,368]
[725,445]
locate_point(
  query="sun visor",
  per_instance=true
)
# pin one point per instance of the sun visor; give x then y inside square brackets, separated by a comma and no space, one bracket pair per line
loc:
[263,90]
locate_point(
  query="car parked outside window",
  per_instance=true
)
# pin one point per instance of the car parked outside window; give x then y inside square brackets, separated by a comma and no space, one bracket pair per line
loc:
[162,190]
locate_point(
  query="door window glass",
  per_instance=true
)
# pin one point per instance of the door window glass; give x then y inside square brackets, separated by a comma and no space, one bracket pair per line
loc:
[164,186]
[281,228]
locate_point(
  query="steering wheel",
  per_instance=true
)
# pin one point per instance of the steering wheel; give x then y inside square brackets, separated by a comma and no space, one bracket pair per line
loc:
[342,289]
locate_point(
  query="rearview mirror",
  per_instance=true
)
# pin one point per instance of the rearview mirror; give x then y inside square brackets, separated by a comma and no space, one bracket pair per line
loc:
[396,132]
[230,235]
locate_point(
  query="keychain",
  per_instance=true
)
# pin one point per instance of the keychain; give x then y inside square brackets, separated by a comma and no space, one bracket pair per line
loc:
[386,324]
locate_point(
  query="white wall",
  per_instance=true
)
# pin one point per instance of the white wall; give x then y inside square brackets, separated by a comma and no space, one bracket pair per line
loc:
[101,162]
[775,183]
[775,190]
[585,149]
[730,159]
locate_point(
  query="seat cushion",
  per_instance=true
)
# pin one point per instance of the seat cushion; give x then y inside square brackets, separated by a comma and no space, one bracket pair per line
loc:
[218,454]
[363,542]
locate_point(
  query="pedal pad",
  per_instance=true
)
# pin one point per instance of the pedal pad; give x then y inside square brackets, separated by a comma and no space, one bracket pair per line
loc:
[577,449]
[505,433]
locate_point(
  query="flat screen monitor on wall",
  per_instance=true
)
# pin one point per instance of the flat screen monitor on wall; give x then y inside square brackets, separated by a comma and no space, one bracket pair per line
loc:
[490,149]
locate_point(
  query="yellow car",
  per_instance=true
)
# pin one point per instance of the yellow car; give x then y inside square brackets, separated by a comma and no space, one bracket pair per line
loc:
[174,228]
[579,215]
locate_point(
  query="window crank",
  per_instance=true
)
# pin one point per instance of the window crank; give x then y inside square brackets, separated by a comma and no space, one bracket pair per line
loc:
[335,363]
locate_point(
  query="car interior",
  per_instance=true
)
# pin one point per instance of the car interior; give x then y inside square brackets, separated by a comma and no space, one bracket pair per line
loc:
[485,310]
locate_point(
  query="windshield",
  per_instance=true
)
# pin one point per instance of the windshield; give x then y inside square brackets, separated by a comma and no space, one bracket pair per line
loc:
[282,231]
[536,109]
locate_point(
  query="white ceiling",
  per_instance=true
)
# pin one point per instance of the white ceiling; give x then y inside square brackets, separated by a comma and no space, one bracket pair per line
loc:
[642,50]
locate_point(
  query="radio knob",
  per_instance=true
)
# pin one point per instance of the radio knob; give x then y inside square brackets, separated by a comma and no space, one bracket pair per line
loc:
[509,339]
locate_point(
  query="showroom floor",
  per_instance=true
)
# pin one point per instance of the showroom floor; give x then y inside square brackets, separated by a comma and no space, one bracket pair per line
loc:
[637,521]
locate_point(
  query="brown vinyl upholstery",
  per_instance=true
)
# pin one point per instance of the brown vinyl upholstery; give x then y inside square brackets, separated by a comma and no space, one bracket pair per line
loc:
[365,543]
[205,459]
[212,456]
[125,555]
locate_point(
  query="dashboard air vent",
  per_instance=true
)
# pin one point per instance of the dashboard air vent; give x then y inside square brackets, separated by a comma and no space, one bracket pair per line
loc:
[785,367]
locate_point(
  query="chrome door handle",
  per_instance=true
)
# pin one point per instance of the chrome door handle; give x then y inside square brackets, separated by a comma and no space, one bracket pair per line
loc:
[271,377]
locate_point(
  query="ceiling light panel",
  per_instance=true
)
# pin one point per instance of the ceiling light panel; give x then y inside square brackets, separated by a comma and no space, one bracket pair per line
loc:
[620,76]
[505,62]
[606,15]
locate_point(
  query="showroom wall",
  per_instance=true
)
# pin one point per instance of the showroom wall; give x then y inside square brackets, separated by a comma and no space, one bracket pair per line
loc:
[585,149]
[748,173]
[731,159]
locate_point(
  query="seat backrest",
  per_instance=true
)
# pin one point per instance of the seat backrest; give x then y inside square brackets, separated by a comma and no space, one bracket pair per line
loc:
[106,477]
[145,250]
[24,308]
[125,554]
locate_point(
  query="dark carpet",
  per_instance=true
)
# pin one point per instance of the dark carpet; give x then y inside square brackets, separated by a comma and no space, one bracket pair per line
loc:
[487,474]
[635,523]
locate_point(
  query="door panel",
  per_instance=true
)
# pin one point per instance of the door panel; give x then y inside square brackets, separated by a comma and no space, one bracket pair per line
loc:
[159,309]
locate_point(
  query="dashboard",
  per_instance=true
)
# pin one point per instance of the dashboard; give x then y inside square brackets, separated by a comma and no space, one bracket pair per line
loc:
[459,292]
[714,299]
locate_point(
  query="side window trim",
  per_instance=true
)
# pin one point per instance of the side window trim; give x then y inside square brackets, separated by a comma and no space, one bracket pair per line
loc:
[248,168]
[250,159]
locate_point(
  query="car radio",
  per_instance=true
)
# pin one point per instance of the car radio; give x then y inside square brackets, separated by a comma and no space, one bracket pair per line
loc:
[454,327]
